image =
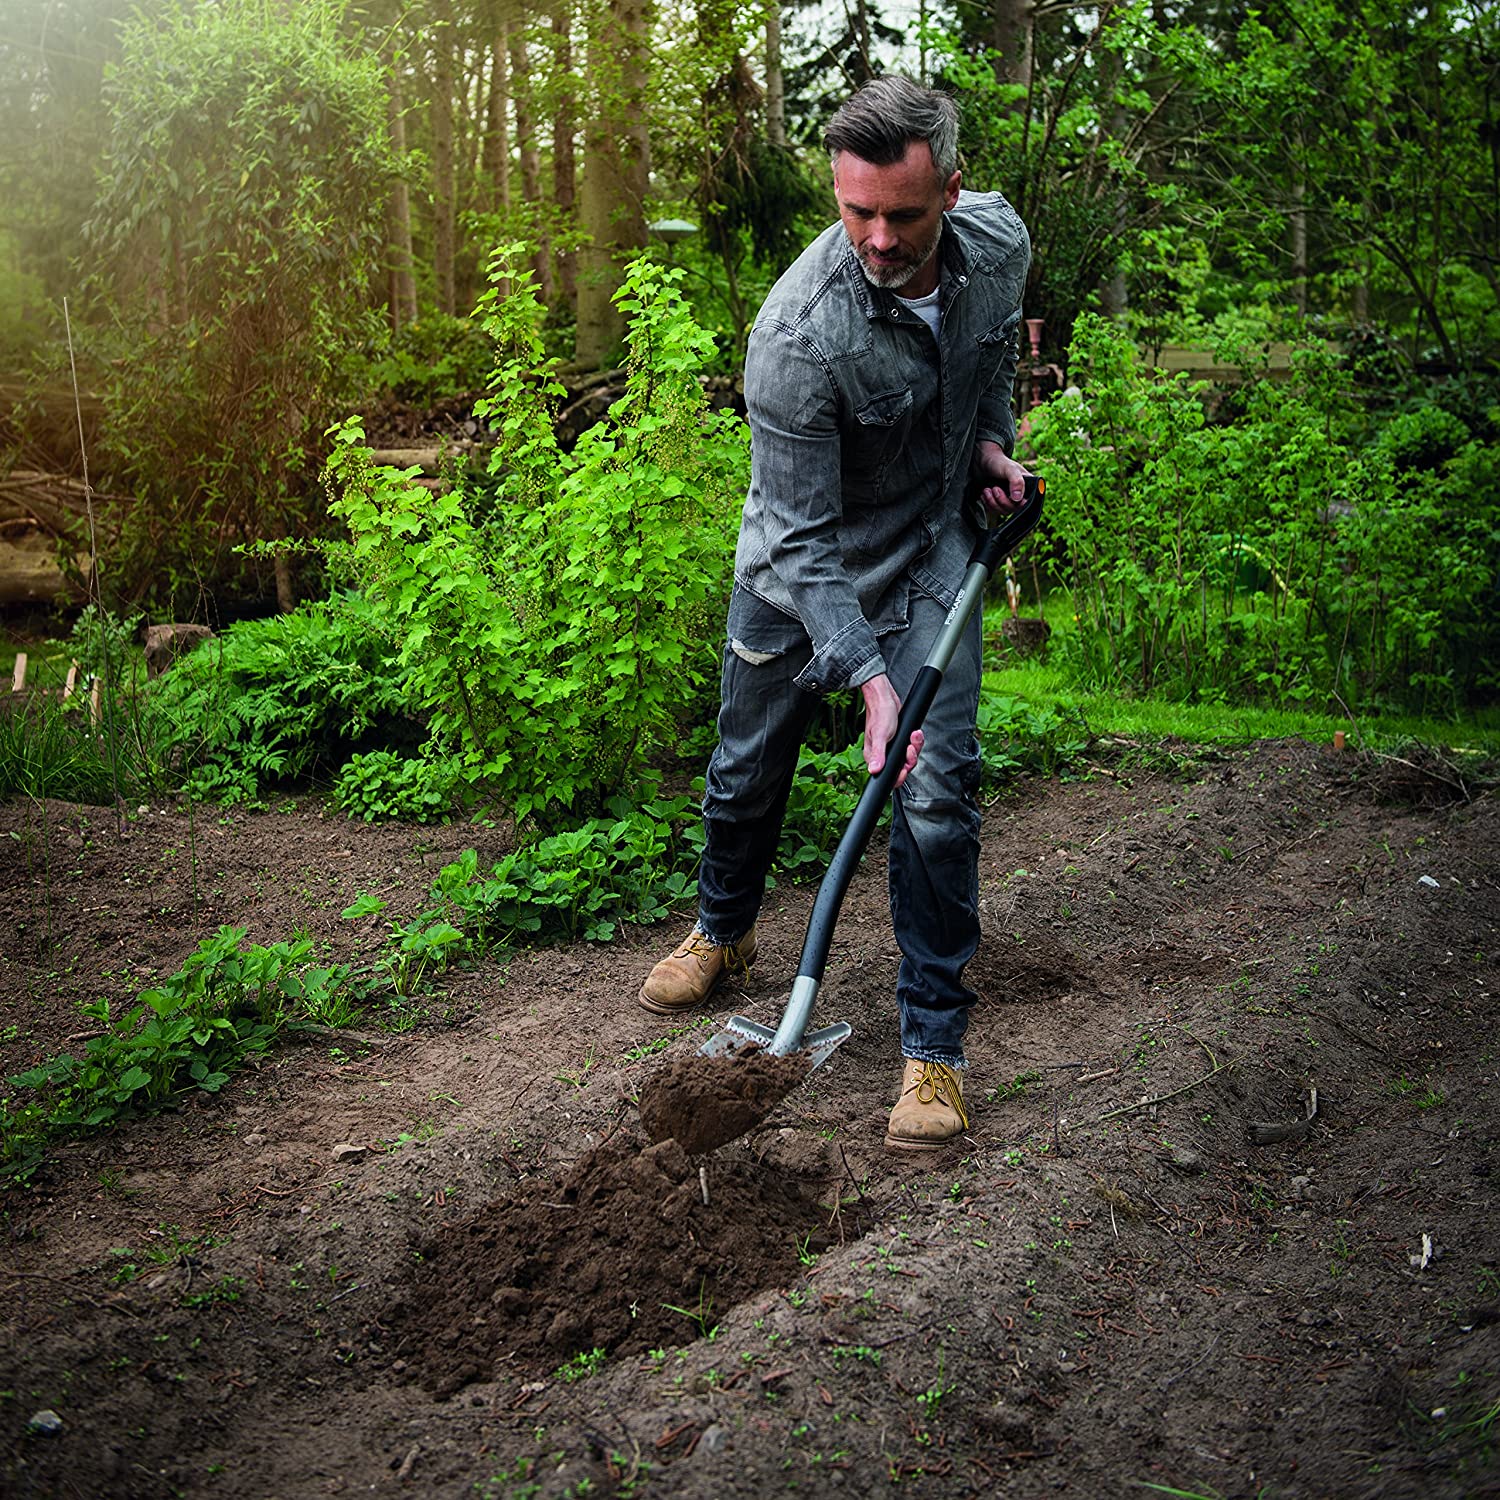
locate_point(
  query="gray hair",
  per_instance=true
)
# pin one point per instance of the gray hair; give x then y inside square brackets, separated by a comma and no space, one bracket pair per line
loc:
[879,121]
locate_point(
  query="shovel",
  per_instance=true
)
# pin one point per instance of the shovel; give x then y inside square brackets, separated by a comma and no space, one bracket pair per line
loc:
[989,552]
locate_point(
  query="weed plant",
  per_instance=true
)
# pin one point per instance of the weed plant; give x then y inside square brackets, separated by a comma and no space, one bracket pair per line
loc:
[228,1002]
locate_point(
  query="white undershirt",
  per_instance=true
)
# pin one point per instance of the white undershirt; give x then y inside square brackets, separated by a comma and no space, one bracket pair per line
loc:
[925,308]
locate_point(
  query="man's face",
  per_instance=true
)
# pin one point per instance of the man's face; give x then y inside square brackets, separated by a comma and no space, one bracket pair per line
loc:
[893,216]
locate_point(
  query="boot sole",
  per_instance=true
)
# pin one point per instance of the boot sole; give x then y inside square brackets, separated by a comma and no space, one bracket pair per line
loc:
[900,1143]
[660,1008]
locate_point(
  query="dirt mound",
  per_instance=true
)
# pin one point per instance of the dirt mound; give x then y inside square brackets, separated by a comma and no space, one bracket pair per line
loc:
[625,1254]
[703,1103]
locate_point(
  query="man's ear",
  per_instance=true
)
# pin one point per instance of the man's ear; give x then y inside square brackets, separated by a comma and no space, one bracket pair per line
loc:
[950,191]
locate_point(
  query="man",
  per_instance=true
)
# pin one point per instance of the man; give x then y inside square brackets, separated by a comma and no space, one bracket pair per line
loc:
[878,380]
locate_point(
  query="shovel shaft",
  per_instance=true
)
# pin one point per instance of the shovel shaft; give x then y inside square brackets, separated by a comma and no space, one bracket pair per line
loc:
[990,550]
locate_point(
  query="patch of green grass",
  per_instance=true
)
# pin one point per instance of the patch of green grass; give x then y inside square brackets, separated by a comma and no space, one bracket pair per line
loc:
[1046,686]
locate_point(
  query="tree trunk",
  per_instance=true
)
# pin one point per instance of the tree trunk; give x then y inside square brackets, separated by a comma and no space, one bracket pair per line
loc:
[1010,35]
[1298,228]
[617,165]
[495,159]
[443,201]
[564,163]
[775,81]
[531,156]
[402,294]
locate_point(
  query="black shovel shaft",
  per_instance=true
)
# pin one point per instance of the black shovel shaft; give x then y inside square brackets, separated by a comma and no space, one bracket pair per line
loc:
[989,552]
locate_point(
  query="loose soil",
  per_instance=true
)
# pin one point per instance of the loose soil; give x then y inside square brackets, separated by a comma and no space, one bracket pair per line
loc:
[1103,1286]
[703,1103]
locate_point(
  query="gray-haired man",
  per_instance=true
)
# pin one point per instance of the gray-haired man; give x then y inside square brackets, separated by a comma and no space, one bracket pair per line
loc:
[878,381]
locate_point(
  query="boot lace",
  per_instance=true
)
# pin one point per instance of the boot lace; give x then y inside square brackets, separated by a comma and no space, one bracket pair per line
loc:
[939,1081]
[703,949]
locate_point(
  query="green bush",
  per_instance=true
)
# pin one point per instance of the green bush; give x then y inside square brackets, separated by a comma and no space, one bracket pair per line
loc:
[553,622]
[1298,551]
[238,224]
[381,784]
[284,697]
[436,357]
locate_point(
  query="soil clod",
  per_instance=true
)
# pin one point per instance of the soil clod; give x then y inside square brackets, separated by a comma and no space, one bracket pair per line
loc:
[703,1103]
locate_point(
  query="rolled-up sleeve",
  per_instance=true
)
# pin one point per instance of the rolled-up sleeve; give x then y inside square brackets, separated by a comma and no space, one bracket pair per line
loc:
[795,503]
[996,416]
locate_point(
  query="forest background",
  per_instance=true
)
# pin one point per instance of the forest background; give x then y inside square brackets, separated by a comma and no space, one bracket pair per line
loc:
[264,217]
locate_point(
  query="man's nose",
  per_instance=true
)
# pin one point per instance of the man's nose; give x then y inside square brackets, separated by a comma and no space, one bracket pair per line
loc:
[883,236]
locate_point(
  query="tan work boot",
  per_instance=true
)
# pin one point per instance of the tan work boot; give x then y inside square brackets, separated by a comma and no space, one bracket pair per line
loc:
[930,1111]
[694,971]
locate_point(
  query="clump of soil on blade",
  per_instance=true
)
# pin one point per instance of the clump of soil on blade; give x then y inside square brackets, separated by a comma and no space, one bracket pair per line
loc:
[703,1103]
[623,1254]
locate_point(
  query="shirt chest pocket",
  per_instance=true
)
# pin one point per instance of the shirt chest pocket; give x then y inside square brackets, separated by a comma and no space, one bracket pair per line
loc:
[881,431]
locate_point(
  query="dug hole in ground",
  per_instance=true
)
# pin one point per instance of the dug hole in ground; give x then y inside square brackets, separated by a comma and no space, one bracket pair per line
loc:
[1089,1294]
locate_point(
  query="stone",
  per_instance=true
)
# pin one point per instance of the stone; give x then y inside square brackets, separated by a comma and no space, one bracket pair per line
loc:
[348,1151]
[714,1440]
[45,1423]
[165,643]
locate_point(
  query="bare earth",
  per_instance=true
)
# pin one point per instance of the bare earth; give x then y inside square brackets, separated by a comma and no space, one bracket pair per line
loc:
[1089,1295]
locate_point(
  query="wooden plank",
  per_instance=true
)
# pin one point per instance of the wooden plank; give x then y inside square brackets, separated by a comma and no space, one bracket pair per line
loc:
[1174,359]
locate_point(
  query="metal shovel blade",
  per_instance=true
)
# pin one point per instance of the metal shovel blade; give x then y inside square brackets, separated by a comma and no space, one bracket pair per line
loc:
[819,1045]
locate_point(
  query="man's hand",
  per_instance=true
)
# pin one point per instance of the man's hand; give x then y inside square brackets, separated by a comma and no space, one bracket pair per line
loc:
[882,711]
[1003,480]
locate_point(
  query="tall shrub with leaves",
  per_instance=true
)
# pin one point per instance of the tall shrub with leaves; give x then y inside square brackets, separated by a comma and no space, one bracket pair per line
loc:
[237,227]
[1295,551]
[557,620]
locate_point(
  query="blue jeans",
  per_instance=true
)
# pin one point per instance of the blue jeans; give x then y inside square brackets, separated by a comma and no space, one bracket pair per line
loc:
[934,842]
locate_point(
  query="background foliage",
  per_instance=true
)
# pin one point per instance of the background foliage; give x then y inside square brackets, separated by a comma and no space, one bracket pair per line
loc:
[235,232]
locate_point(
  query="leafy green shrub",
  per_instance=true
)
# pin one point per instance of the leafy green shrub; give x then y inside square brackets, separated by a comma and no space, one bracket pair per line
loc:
[1282,556]
[824,794]
[632,866]
[381,784]
[1016,738]
[189,1032]
[280,697]
[427,360]
[244,189]
[552,623]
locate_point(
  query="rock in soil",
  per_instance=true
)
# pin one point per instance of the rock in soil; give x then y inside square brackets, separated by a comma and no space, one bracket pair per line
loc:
[703,1103]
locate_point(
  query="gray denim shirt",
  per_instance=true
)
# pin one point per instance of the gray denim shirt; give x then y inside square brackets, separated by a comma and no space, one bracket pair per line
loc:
[863,430]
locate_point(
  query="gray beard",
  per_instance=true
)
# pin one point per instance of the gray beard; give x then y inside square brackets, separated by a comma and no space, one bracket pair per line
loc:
[893,278]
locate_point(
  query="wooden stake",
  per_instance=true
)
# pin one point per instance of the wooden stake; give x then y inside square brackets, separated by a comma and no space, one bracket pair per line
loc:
[18,680]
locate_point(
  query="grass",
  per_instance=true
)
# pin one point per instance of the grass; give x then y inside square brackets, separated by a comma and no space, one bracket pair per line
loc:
[1045,686]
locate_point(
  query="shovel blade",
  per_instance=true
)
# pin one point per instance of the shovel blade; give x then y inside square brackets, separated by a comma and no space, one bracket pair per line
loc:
[738,1030]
